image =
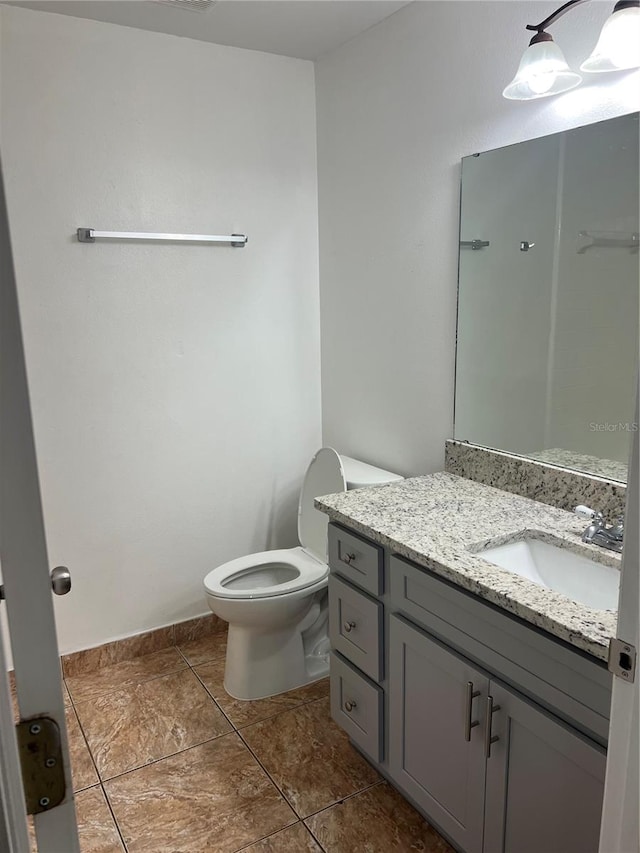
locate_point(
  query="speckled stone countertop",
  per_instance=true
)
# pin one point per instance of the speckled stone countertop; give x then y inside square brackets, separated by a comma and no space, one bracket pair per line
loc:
[609,469]
[441,521]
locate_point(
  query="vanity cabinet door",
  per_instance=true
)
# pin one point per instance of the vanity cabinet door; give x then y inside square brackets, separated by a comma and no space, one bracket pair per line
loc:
[545,782]
[430,708]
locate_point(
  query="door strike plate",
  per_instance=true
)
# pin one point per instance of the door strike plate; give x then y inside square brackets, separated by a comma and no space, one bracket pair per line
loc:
[622,660]
[41,761]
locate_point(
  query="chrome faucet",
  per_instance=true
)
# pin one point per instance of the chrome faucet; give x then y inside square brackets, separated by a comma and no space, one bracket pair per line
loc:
[597,533]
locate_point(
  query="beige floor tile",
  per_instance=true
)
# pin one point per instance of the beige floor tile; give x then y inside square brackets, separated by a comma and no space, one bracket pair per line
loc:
[99,682]
[214,798]
[83,770]
[205,648]
[96,829]
[14,695]
[378,820]
[145,722]
[309,758]
[294,839]
[244,713]
[31,831]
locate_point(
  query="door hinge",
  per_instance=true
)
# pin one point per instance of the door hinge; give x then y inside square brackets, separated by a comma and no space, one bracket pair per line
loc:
[41,761]
[622,659]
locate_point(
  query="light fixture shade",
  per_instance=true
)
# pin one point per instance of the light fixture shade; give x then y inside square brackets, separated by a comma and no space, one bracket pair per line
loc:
[543,71]
[618,47]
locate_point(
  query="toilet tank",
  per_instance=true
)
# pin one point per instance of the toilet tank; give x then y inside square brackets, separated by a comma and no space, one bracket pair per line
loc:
[359,474]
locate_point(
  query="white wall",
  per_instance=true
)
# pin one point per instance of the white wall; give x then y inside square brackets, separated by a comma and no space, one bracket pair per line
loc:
[175,388]
[397,109]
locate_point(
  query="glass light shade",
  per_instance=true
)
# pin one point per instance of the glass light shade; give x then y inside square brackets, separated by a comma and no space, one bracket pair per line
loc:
[543,71]
[618,47]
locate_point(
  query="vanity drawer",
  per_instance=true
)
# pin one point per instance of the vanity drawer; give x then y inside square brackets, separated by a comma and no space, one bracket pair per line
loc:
[356,559]
[355,626]
[356,706]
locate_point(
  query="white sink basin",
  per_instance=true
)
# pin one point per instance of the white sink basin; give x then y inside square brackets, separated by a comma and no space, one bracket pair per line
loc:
[570,574]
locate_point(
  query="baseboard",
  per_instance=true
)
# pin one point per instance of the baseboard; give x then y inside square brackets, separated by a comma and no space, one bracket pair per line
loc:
[88,660]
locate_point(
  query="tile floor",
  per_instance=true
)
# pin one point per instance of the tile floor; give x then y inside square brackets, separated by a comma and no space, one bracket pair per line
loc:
[165,761]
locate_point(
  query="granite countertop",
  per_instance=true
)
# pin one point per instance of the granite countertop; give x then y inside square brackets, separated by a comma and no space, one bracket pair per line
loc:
[441,521]
[609,469]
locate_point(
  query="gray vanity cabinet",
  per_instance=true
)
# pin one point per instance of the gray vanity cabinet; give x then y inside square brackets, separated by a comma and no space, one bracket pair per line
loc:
[432,710]
[544,783]
[495,731]
[522,783]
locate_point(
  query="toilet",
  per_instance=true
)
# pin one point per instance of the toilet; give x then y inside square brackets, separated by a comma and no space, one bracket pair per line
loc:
[276,601]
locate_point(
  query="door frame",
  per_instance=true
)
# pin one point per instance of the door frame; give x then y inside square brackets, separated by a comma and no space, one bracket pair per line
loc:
[28,604]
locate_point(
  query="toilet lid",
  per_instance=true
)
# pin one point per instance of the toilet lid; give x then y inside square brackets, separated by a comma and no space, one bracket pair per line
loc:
[324,476]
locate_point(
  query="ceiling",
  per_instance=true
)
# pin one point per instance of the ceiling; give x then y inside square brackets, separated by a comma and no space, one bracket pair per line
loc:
[305,29]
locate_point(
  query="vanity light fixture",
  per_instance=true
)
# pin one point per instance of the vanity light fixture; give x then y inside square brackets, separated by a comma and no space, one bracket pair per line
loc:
[544,71]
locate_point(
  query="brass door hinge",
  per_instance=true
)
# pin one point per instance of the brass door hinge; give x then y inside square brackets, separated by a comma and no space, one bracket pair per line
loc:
[40,754]
[622,659]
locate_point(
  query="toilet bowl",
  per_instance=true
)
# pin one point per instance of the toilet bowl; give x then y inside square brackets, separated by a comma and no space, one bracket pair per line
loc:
[276,601]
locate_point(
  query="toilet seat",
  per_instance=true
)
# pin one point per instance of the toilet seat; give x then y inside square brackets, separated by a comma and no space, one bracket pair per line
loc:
[272,573]
[266,574]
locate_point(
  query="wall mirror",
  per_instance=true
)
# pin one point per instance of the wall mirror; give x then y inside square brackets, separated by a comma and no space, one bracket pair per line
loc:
[547,344]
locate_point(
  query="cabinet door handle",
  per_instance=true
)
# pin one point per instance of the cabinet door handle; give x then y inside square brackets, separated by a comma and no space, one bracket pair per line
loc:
[349,706]
[348,558]
[488,738]
[349,626]
[469,724]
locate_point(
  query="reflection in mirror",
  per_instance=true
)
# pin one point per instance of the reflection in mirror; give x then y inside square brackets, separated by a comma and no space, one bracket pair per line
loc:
[547,348]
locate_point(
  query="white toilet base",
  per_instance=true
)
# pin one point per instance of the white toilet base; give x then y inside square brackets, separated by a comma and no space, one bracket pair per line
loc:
[260,664]
[275,644]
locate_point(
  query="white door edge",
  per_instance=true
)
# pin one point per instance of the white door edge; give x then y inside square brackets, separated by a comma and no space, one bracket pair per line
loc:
[620,832]
[13,824]
[28,604]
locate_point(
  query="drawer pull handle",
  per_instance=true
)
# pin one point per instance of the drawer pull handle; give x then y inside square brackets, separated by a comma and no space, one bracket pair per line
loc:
[349,626]
[488,739]
[349,706]
[348,558]
[469,724]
